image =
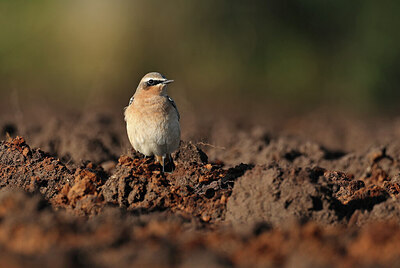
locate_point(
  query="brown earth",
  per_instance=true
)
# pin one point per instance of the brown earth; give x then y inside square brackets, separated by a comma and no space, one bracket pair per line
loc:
[308,190]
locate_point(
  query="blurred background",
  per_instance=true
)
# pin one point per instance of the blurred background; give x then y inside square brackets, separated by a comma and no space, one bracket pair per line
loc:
[298,54]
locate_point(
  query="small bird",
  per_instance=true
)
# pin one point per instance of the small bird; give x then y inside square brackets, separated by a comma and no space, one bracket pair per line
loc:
[152,119]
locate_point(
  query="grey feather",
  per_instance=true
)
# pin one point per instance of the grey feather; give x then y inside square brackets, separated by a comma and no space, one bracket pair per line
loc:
[174,105]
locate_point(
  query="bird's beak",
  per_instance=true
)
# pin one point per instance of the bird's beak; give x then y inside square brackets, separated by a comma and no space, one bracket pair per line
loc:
[167,82]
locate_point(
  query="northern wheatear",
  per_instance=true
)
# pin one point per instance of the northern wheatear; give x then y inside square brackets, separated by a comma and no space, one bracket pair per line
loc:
[152,119]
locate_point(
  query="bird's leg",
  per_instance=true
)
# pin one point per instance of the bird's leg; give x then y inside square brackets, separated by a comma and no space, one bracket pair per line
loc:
[171,162]
[166,160]
[169,165]
[163,163]
[161,160]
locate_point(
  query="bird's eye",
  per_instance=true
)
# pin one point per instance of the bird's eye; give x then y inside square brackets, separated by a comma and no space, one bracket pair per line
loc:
[150,82]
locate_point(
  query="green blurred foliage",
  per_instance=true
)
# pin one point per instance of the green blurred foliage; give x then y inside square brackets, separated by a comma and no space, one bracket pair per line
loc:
[299,52]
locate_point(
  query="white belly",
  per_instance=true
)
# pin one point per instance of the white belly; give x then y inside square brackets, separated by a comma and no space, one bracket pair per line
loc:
[153,133]
[154,139]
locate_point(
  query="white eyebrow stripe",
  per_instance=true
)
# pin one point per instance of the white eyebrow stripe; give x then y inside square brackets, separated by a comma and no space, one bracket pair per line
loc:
[155,80]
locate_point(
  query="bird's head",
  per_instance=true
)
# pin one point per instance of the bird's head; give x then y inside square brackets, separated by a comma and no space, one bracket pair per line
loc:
[153,83]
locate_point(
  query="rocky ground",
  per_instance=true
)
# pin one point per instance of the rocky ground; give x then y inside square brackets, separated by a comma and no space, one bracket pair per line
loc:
[311,190]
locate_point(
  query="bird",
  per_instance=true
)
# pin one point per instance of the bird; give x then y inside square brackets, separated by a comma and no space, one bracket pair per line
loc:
[152,119]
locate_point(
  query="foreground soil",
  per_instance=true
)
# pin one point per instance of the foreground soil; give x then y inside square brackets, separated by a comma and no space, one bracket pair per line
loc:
[264,194]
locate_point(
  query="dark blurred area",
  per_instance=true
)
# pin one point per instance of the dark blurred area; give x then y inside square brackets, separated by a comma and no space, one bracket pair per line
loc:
[296,53]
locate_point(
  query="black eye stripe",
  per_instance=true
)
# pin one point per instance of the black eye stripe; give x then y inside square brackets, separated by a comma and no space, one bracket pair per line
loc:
[152,82]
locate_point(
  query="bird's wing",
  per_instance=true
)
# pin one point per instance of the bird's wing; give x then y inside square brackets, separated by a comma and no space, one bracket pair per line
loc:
[174,105]
[130,102]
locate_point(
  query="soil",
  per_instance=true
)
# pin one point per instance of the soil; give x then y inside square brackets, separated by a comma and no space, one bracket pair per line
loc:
[310,190]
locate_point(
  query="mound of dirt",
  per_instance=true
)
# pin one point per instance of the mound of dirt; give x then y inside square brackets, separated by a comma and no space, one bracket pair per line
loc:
[32,170]
[195,187]
[277,196]
[94,135]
